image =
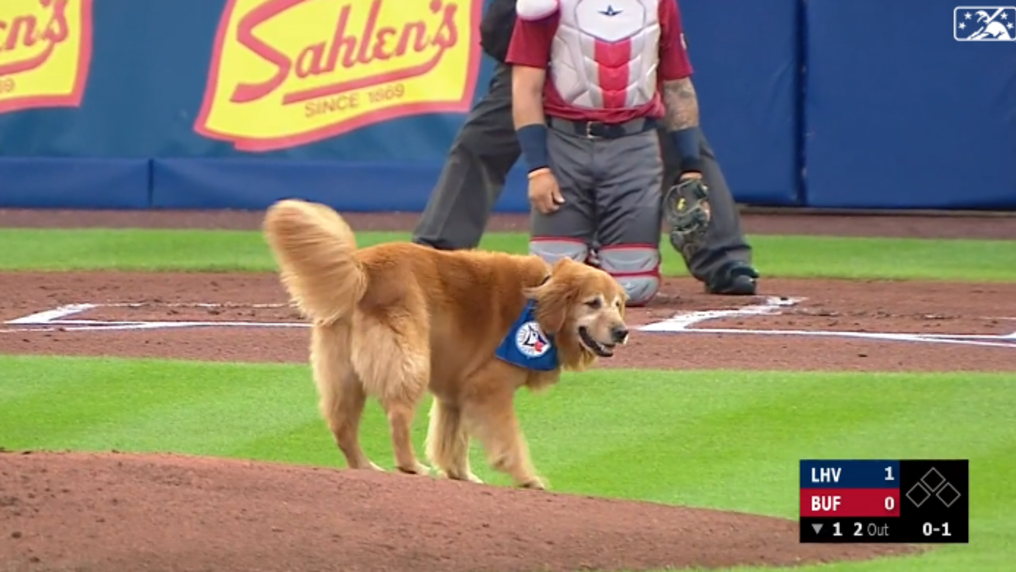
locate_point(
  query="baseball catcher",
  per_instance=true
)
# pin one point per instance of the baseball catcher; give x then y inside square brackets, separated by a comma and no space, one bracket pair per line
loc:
[591,83]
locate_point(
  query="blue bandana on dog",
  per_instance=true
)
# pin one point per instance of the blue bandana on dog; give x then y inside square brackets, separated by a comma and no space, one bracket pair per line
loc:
[526,345]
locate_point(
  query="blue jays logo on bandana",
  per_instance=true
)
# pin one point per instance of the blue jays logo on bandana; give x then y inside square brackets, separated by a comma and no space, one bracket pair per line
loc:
[530,340]
[526,345]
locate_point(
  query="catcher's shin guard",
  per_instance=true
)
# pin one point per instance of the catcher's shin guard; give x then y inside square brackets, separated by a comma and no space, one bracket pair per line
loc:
[636,267]
[686,207]
[552,249]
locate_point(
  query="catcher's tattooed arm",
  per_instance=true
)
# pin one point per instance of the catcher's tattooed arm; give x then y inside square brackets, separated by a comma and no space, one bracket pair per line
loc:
[682,121]
[681,103]
[686,202]
[527,111]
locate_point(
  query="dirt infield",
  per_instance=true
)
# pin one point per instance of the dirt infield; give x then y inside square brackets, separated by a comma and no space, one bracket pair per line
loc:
[123,512]
[162,513]
[246,318]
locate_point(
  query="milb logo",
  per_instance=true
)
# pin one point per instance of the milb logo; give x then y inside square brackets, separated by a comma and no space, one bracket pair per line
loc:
[933,483]
[984,23]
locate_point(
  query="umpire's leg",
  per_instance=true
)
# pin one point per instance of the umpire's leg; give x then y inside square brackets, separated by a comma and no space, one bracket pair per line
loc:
[723,262]
[484,150]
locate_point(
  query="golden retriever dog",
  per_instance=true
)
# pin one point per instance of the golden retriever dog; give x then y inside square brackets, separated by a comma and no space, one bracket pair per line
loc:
[395,320]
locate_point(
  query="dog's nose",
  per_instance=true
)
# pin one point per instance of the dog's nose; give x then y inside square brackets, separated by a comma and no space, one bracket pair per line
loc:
[619,333]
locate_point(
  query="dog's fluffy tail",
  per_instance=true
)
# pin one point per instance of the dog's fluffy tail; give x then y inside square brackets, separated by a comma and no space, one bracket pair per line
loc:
[314,248]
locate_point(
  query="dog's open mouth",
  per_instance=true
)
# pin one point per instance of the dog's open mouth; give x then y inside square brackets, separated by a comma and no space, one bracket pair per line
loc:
[602,350]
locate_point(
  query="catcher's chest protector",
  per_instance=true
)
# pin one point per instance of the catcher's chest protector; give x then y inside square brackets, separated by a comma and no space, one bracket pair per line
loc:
[605,52]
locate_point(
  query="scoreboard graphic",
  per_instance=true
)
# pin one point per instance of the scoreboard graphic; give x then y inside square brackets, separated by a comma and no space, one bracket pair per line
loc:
[876,501]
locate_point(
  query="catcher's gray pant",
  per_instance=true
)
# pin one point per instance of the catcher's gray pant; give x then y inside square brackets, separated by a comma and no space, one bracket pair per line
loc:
[611,190]
[485,149]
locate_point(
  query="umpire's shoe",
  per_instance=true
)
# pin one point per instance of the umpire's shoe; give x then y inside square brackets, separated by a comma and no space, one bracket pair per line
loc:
[737,279]
[686,206]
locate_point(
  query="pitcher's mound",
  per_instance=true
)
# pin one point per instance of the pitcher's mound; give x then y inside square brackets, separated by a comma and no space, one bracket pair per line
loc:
[105,512]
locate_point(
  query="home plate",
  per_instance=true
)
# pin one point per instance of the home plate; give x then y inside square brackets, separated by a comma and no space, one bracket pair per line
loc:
[684,321]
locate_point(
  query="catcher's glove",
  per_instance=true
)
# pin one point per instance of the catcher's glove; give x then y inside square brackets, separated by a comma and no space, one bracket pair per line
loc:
[686,205]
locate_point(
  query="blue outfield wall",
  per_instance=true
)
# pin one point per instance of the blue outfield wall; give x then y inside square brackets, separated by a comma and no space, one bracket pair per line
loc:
[746,60]
[222,104]
[907,116]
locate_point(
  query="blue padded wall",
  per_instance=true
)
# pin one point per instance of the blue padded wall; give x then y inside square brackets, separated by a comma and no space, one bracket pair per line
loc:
[747,69]
[900,115]
[822,103]
[42,182]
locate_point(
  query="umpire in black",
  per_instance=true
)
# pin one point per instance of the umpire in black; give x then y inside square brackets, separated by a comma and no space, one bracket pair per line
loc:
[485,149]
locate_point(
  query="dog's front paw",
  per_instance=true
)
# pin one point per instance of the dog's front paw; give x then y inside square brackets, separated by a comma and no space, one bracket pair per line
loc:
[417,469]
[535,483]
[467,476]
[367,466]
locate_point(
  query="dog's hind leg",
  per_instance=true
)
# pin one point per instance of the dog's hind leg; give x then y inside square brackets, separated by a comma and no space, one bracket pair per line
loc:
[341,394]
[400,420]
[392,357]
[448,442]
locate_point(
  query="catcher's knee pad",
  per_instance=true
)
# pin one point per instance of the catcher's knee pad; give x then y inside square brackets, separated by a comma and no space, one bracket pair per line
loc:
[552,249]
[636,267]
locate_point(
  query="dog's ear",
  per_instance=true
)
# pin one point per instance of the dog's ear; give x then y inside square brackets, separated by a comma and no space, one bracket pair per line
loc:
[554,298]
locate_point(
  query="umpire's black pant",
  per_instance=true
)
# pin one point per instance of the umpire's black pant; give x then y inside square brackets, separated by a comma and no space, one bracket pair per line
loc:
[486,149]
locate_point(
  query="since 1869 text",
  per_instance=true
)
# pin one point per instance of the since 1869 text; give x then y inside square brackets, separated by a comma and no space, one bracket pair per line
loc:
[353,100]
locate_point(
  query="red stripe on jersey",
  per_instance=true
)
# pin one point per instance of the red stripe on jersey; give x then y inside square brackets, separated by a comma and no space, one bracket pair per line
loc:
[613,63]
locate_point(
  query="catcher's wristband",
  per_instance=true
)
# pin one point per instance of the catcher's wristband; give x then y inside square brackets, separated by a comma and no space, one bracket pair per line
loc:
[691,165]
[533,141]
[537,172]
[688,148]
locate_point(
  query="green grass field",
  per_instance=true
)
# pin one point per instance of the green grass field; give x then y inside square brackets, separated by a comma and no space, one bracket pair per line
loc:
[722,439]
[241,251]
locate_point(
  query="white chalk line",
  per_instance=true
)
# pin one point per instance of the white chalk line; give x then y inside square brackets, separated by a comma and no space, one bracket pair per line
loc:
[57,319]
[937,339]
[685,323]
[191,305]
[50,316]
[98,325]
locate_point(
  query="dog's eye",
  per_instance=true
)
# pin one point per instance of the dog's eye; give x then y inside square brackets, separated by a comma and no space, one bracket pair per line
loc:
[595,303]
